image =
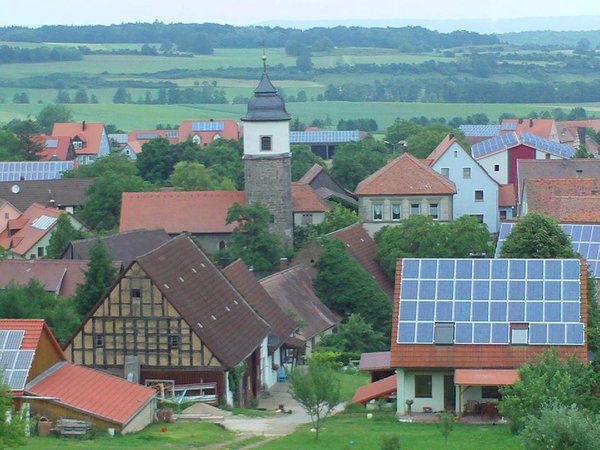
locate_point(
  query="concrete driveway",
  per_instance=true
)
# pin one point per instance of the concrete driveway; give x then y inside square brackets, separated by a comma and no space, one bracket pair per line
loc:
[278,425]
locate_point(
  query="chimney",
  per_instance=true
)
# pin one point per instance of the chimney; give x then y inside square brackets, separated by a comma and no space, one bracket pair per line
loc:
[581,135]
[451,136]
[284,264]
[530,123]
[520,120]
[83,125]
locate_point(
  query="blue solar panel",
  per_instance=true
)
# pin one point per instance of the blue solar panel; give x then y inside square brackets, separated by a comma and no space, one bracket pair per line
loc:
[208,126]
[546,145]
[480,130]
[38,170]
[575,334]
[324,137]
[482,297]
[508,126]
[556,333]
[493,145]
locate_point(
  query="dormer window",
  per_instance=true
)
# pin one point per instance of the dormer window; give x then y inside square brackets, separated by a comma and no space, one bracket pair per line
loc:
[266,144]
[77,145]
[216,136]
[197,139]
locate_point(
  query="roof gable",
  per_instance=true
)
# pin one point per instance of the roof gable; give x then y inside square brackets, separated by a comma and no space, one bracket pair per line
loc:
[305,199]
[205,299]
[89,133]
[405,175]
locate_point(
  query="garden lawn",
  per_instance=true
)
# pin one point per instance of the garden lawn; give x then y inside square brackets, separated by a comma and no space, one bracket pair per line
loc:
[355,431]
[183,435]
[350,382]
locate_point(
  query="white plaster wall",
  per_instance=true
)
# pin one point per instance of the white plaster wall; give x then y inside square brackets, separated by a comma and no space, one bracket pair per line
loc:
[436,402]
[279,131]
[104,148]
[542,155]
[228,393]
[317,218]
[501,159]
[455,159]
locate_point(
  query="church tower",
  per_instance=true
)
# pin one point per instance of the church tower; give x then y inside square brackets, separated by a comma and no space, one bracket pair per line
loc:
[267,157]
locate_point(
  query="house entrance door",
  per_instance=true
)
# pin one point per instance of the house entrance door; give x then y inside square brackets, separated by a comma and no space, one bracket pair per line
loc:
[449,393]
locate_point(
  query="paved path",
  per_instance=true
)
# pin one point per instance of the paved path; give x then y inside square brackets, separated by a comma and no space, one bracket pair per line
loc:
[277,425]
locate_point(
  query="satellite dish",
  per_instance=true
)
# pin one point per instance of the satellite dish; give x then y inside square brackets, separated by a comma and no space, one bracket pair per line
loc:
[15,189]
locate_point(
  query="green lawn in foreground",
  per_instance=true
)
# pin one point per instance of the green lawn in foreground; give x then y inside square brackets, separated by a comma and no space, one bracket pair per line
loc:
[357,432]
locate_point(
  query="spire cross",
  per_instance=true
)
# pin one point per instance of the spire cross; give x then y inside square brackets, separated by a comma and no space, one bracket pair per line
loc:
[264,56]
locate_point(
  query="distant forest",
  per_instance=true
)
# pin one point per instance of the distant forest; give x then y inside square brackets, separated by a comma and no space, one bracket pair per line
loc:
[202,38]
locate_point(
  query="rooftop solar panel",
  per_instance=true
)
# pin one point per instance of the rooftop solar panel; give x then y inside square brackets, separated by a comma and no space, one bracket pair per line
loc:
[14,366]
[51,143]
[146,136]
[11,339]
[508,126]
[37,170]
[482,297]
[325,137]
[208,126]
[585,240]
[44,222]
[480,130]
[554,148]
[494,144]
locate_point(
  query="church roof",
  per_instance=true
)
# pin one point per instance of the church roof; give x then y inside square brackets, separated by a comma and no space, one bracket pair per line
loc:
[266,105]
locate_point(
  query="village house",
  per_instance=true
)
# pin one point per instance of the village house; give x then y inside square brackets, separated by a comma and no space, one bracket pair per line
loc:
[55,148]
[477,194]
[462,327]
[203,132]
[327,187]
[405,186]
[7,212]
[308,207]
[38,375]
[28,236]
[89,140]
[173,315]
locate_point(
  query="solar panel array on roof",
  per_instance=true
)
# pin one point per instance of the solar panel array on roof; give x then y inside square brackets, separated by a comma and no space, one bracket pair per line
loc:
[478,299]
[173,134]
[494,144]
[480,130]
[146,136]
[44,222]
[208,126]
[585,240]
[11,339]
[508,126]
[33,170]
[554,148]
[14,367]
[51,143]
[119,138]
[325,137]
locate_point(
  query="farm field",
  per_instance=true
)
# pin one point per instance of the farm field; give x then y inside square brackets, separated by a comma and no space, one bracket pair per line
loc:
[133,116]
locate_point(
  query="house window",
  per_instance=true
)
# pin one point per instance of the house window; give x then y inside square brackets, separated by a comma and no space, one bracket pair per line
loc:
[479,196]
[456,153]
[271,218]
[396,211]
[547,155]
[78,145]
[519,334]
[377,212]
[423,386]
[503,214]
[265,143]
[433,210]
[307,219]
[496,167]
[222,245]
[445,172]
[136,294]
[174,341]
[6,215]
[479,217]
[40,252]
[415,208]
[98,340]
[490,392]
[443,333]
[197,139]
[466,172]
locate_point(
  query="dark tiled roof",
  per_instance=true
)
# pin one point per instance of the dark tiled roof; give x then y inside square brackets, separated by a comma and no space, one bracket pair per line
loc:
[246,283]
[361,247]
[124,247]
[64,191]
[205,299]
[293,291]
[267,104]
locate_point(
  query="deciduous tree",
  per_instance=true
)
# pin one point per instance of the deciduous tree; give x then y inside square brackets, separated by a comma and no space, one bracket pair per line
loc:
[193,176]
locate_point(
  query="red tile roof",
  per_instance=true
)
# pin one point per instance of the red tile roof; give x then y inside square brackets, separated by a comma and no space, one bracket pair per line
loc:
[59,276]
[487,377]
[58,152]
[89,133]
[361,247]
[568,200]
[545,128]
[305,199]
[406,175]
[591,123]
[194,212]
[92,392]
[230,131]
[439,151]
[378,389]
[506,195]
[374,361]
[21,241]
[32,327]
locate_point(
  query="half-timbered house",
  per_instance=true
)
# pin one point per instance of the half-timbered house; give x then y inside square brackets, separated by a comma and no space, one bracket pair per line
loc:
[175,313]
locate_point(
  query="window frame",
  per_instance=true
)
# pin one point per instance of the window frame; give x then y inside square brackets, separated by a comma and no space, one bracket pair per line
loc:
[466,173]
[437,211]
[266,141]
[133,292]
[40,252]
[445,172]
[423,386]
[444,327]
[496,167]
[393,214]
[479,191]
[377,217]
[412,213]
[99,340]
[174,341]
[518,327]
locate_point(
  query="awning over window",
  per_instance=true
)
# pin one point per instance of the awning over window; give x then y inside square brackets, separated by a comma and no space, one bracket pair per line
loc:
[485,377]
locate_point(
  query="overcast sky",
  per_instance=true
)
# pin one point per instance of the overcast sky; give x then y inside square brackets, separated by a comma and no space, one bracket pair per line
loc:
[248,12]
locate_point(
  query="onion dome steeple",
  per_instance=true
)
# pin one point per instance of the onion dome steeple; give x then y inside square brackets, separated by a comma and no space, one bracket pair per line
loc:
[266,105]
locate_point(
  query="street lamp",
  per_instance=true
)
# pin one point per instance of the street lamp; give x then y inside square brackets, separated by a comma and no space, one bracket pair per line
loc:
[394,146]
